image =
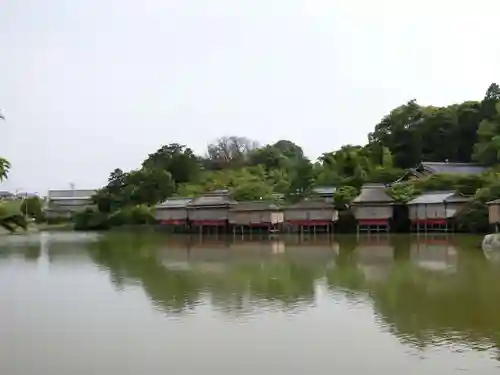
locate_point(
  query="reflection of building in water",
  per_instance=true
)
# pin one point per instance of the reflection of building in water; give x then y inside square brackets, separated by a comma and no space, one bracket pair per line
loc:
[265,247]
[243,275]
[375,257]
[434,253]
[216,255]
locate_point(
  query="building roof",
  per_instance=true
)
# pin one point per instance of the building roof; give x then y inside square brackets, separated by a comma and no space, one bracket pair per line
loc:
[447,167]
[4,194]
[255,206]
[71,193]
[437,197]
[373,193]
[174,203]
[308,204]
[89,197]
[214,198]
[496,201]
[324,190]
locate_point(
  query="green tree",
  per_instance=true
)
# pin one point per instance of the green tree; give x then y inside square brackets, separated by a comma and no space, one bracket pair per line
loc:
[400,133]
[4,169]
[487,148]
[490,101]
[32,207]
[178,160]
[343,197]
[301,179]
[9,219]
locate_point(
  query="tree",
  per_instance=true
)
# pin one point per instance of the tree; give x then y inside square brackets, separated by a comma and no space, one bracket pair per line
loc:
[301,179]
[490,100]
[4,163]
[9,219]
[149,186]
[178,160]
[269,156]
[399,132]
[230,151]
[289,149]
[32,207]
[142,186]
[487,148]
[4,169]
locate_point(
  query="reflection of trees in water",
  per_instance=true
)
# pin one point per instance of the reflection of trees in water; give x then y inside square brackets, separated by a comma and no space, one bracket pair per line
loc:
[458,302]
[420,305]
[178,280]
[30,252]
[130,259]
[426,307]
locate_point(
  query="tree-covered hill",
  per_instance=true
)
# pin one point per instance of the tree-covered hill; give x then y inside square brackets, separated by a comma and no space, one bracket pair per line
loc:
[409,134]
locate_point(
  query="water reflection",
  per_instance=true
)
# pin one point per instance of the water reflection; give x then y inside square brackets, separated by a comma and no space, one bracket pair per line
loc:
[424,290]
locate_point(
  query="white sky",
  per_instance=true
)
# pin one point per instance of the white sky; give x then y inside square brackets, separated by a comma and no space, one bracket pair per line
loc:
[91,85]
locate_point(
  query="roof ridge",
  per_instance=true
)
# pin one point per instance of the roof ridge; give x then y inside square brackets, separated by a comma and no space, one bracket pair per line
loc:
[450,163]
[428,192]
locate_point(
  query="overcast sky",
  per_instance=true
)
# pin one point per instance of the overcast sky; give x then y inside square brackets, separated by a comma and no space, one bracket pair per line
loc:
[91,85]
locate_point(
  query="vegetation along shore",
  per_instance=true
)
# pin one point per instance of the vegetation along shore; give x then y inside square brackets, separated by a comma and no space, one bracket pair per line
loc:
[465,133]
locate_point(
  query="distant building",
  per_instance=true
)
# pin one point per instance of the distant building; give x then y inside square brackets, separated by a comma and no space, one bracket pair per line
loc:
[425,169]
[7,195]
[63,203]
[325,192]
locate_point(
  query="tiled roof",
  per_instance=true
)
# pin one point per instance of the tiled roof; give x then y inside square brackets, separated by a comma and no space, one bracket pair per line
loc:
[432,197]
[310,204]
[175,203]
[373,193]
[255,206]
[215,198]
[76,198]
[462,168]
[71,193]
[496,201]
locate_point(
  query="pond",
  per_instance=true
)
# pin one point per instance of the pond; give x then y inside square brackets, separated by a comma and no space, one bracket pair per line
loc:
[146,303]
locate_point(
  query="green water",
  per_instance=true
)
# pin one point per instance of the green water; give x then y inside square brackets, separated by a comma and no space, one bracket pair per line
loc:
[151,304]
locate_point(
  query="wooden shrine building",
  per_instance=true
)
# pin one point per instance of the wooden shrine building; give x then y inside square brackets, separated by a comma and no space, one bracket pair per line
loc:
[263,215]
[435,210]
[310,215]
[173,212]
[373,209]
[210,210]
